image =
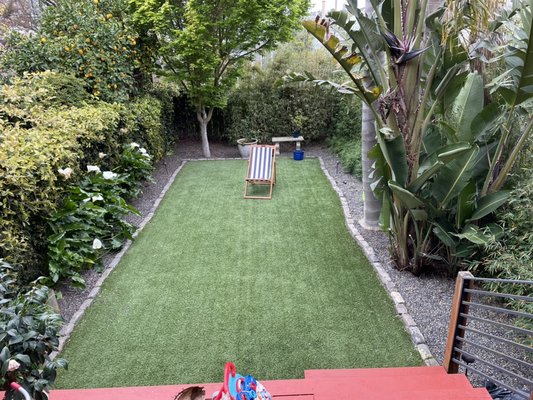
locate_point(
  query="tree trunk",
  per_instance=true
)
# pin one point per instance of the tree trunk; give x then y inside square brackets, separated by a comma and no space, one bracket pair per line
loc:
[204,116]
[371,205]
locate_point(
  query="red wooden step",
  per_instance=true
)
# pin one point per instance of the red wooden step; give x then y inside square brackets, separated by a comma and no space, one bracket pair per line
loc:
[297,389]
[374,372]
[393,383]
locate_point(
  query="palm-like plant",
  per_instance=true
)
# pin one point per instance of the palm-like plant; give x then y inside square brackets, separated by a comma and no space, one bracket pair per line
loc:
[436,182]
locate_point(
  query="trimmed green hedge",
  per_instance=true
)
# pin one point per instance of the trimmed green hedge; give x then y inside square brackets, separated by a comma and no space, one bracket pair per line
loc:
[44,129]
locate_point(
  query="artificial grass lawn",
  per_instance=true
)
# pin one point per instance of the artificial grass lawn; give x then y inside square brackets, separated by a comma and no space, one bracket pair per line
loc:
[276,286]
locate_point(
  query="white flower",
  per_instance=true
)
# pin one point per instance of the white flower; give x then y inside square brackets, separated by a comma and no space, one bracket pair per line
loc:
[93,168]
[96,198]
[142,150]
[133,145]
[86,200]
[97,244]
[101,155]
[145,155]
[65,172]
[109,175]
[13,365]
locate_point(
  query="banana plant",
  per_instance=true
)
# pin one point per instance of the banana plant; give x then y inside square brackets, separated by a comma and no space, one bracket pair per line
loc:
[438,143]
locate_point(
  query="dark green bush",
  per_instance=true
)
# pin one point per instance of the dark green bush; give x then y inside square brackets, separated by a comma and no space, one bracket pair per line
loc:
[512,256]
[29,331]
[349,152]
[89,222]
[135,167]
[41,132]
[144,123]
[263,105]
[166,94]
[93,40]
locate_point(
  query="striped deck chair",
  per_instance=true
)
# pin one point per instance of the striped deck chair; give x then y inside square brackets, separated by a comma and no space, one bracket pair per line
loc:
[261,169]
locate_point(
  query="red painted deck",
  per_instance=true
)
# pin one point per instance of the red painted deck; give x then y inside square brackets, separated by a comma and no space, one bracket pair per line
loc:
[413,383]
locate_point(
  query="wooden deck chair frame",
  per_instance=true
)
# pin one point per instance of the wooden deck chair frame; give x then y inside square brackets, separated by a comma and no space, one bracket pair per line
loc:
[256,174]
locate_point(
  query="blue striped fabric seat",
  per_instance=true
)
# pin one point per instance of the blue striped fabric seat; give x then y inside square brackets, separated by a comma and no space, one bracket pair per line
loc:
[261,170]
[260,163]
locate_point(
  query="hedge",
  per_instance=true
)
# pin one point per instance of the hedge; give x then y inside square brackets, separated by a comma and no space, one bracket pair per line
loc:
[42,131]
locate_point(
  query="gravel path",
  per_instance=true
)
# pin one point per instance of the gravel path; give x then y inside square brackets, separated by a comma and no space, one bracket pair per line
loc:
[428,298]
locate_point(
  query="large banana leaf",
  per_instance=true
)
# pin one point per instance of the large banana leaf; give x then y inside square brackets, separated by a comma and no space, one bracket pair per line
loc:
[443,235]
[520,61]
[525,83]
[407,198]
[465,204]
[454,177]
[485,122]
[428,173]
[467,105]
[395,154]
[366,40]
[445,154]
[340,52]
[490,203]
[481,236]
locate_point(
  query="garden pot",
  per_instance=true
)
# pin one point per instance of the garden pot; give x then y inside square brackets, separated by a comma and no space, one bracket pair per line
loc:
[244,146]
[298,155]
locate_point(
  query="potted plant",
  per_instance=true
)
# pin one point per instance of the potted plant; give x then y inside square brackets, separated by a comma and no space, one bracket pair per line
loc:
[298,121]
[244,146]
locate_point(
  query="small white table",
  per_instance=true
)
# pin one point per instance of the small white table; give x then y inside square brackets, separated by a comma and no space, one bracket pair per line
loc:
[286,139]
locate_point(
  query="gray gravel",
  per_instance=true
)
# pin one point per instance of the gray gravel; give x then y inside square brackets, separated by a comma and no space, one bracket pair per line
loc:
[428,298]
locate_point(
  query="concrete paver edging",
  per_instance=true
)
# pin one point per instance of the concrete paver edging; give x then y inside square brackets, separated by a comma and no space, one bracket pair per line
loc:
[399,303]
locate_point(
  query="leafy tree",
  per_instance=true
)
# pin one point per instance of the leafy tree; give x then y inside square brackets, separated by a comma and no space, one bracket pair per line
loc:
[203,43]
[93,40]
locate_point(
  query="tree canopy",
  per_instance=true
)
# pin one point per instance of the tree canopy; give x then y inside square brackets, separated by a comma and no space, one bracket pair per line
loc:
[204,42]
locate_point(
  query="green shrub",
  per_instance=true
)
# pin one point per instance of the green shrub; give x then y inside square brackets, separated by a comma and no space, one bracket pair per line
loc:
[28,334]
[89,221]
[512,256]
[167,93]
[349,152]
[263,105]
[93,40]
[135,166]
[41,132]
[144,123]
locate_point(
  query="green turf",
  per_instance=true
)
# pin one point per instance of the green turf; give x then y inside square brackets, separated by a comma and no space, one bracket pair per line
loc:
[276,286]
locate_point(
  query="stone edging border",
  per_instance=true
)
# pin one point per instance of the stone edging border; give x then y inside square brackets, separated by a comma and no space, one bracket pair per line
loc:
[67,330]
[399,303]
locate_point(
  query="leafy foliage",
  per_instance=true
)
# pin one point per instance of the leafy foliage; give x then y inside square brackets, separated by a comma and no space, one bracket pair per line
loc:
[349,152]
[28,334]
[263,105]
[443,152]
[93,40]
[203,44]
[91,220]
[512,256]
[135,166]
[45,130]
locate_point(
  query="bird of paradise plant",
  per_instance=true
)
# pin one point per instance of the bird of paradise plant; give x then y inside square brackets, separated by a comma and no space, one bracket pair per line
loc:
[440,148]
